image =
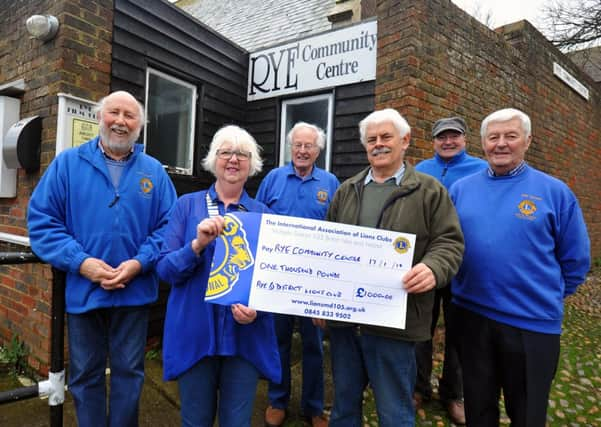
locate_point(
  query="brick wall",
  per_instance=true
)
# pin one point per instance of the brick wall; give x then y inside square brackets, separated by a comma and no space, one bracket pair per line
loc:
[78,62]
[434,60]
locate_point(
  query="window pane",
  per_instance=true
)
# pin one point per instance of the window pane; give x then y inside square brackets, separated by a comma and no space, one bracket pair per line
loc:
[311,111]
[170,122]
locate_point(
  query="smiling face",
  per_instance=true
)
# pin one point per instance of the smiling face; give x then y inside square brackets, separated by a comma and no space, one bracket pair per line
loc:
[234,170]
[505,145]
[304,150]
[385,148]
[449,143]
[120,124]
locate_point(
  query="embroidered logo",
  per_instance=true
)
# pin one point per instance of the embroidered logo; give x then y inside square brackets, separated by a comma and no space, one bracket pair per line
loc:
[401,245]
[322,196]
[527,207]
[236,256]
[146,185]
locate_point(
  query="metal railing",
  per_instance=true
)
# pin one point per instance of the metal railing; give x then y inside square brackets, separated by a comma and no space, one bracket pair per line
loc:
[54,386]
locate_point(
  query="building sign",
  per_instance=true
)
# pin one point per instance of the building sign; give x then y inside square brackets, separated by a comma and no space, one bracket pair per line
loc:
[77,122]
[330,59]
[570,80]
[83,130]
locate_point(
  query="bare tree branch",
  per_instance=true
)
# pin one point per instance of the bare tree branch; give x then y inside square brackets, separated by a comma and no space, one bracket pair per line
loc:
[483,15]
[572,24]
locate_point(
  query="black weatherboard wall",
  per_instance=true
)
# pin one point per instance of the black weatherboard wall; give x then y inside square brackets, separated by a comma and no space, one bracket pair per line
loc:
[152,33]
[351,104]
[156,34]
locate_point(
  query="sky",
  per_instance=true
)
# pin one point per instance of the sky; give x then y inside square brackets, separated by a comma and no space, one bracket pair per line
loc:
[506,11]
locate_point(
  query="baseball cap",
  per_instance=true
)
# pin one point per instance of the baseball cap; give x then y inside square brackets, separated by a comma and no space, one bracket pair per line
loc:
[448,123]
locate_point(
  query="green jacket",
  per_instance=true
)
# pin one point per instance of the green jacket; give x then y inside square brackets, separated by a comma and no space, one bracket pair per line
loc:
[420,206]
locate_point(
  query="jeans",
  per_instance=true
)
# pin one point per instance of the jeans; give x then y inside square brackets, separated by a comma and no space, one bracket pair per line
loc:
[312,386]
[388,366]
[227,382]
[450,386]
[119,335]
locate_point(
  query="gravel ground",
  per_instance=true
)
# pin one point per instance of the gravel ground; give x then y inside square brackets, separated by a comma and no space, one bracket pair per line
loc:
[575,398]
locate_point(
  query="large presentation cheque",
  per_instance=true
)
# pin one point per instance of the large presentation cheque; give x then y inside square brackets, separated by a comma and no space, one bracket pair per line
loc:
[312,268]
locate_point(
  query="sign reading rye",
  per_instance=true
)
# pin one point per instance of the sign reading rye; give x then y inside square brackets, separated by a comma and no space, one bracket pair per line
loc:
[330,59]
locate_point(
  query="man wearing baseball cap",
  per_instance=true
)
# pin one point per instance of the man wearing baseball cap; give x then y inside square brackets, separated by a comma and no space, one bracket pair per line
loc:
[450,162]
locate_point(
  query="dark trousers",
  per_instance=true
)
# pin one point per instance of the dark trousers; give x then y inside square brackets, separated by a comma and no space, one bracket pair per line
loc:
[450,384]
[497,356]
[312,386]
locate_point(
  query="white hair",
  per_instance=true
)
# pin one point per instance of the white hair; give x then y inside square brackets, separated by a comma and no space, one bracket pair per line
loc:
[505,115]
[320,138]
[387,115]
[239,139]
[98,109]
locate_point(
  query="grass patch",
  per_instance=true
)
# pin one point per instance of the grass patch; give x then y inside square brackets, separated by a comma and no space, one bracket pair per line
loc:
[14,356]
[153,354]
[576,391]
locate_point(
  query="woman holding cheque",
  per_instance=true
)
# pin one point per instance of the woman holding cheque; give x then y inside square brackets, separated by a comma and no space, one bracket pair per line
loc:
[215,352]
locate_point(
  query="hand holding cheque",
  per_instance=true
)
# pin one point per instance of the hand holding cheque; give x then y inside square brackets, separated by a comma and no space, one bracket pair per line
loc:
[206,231]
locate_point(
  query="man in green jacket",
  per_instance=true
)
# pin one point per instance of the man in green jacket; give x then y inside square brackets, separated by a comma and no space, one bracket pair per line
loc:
[391,195]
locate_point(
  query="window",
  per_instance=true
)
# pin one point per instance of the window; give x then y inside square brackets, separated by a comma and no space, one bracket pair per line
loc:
[170,115]
[316,110]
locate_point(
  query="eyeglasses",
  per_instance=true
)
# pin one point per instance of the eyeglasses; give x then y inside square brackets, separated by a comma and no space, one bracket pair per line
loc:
[228,154]
[299,146]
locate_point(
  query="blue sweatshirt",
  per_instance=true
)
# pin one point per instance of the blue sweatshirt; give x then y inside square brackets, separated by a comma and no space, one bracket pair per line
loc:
[75,212]
[449,171]
[285,193]
[195,329]
[526,248]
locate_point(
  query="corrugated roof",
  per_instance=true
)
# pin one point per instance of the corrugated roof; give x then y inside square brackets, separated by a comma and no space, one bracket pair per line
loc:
[254,24]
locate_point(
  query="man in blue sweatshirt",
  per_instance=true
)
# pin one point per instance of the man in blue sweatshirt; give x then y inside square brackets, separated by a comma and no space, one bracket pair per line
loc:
[99,213]
[526,249]
[450,162]
[303,190]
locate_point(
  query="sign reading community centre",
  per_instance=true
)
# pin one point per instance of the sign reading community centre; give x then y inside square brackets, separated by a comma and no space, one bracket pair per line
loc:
[330,59]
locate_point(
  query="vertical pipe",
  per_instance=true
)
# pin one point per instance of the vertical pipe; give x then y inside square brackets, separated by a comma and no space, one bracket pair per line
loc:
[57,344]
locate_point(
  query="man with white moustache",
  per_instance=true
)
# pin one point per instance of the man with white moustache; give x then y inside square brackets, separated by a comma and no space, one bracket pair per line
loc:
[391,195]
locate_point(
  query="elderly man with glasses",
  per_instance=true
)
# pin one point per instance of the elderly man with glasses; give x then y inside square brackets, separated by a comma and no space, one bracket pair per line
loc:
[299,189]
[391,195]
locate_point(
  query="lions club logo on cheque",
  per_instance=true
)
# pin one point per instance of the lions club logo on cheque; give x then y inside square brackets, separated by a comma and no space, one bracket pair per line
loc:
[401,245]
[229,259]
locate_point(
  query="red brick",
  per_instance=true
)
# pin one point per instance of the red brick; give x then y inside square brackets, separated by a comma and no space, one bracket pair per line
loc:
[428,69]
[46,68]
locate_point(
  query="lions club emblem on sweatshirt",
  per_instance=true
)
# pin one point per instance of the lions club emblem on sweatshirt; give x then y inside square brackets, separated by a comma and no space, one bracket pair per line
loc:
[527,207]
